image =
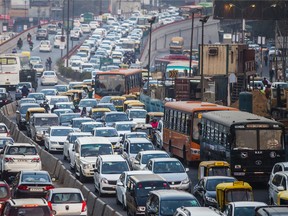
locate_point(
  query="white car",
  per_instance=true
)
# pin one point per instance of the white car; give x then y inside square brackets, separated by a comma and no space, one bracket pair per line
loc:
[60,197]
[93,25]
[39,68]
[4,131]
[84,56]
[247,207]
[45,46]
[137,115]
[121,185]
[109,132]
[55,137]
[69,143]
[57,41]
[49,77]
[74,35]
[56,99]
[89,103]
[18,156]
[123,127]
[158,135]
[85,28]
[142,158]
[278,183]
[76,65]
[107,171]
[35,60]
[278,167]
[172,170]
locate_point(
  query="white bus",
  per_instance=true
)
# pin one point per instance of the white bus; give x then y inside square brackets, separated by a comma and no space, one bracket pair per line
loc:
[10,66]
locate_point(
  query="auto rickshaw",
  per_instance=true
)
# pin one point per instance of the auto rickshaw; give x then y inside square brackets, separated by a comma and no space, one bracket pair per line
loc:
[128,102]
[213,168]
[154,115]
[32,110]
[78,94]
[135,105]
[118,102]
[147,128]
[97,113]
[129,97]
[80,86]
[233,192]
[68,94]
[282,198]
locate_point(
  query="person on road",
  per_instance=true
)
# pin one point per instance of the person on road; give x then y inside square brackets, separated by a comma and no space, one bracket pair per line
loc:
[29,37]
[49,62]
[19,43]
[84,112]
[24,91]
[154,123]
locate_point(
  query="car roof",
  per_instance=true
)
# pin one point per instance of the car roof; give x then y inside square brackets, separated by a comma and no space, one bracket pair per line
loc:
[201,211]
[112,158]
[147,177]
[164,159]
[22,144]
[65,190]
[138,172]
[79,133]
[3,124]
[282,172]
[124,122]
[35,115]
[105,128]
[248,203]
[93,140]
[60,127]
[92,123]
[153,152]
[138,140]
[81,118]
[172,194]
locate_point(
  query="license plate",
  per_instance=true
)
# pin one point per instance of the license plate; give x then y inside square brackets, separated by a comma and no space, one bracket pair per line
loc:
[22,160]
[7,82]
[36,189]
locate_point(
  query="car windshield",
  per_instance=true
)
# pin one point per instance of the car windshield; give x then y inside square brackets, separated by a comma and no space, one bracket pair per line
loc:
[50,73]
[168,207]
[77,123]
[168,167]
[37,96]
[136,135]
[96,115]
[90,127]
[21,150]
[67,198]
[114,167]
[106,133]
[51,92]
[46,121]
[27,100]
[239,195]
[87,103]
[20,85]
[138,114]
[35,177]
[53,101]
[116,117]
[109,106]
[147,157]
[135,148]
[74,137]
[61,132]
[35,211]
[244,211]
[61,88]
[68,118]
[24,109]
[65,105]
[219,171]
[212,183]
[62,111]
[124,127]
[38,66]
[93,150]
[143,188]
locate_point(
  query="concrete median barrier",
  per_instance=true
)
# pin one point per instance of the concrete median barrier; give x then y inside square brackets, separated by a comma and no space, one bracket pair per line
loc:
[66,178]
[70,181]
[62,173]
[49,162]
[108,211]
[78,184]
[91,200]
[85,191]
[99,207]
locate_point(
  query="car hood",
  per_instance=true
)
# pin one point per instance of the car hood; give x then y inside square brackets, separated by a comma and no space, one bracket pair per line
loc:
[111,177]
[42,128]
[173,176]
[58,138]
[113,139]
[91,160]
[139,120]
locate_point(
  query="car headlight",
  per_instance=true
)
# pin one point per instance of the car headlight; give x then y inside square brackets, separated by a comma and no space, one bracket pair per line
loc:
[53,143]
[87,166]
[104,180]
[210,199]
[186,181]
[141,208]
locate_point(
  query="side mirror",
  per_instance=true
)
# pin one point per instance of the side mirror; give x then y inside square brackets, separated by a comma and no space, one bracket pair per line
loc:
[136,162]
[119,184]
[73,149]
[187,169]
[17,112]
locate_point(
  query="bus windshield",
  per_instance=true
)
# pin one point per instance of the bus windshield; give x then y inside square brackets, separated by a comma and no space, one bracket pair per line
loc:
[268,139]
[109,84]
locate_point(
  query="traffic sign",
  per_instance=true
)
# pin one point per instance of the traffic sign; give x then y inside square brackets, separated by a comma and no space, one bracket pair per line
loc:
[173,73]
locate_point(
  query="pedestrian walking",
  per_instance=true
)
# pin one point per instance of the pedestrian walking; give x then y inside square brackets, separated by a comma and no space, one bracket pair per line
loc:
[271,74]
[49,61]
[266,60]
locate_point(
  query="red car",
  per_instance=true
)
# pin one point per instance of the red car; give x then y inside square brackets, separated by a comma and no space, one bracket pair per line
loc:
[5,194]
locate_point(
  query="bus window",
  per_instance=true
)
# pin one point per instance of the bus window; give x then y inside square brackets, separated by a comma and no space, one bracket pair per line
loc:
[270,139]
[246,139]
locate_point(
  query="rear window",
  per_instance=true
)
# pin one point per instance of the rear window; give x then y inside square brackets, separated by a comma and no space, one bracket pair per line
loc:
[143,188]
[21,150]
[49,73]
[31,177]
[66,198]
[31,211]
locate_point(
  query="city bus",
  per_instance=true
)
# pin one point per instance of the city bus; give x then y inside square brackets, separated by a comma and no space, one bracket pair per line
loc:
[251,144]
[207,8]
[117,82]
[181,135]
[10,67]
[186,11]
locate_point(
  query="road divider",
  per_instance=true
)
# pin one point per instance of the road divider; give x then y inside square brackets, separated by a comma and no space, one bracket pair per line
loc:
[95,206]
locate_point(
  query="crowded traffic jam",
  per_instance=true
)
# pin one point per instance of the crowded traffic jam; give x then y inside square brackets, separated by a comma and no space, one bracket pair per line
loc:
[103,130]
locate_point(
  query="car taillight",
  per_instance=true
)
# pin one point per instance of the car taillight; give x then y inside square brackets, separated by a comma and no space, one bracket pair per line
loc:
[8,133]
[48,187]
[50,205]
[9,159]
[84,205]
[37,160]
[23,187]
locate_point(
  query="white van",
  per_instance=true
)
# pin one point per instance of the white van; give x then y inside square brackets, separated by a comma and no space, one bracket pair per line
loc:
[57,41]
[85,152]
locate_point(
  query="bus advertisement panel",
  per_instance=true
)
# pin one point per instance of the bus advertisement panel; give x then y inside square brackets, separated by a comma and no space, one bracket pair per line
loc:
[250,143]
[181,134]
[10,66]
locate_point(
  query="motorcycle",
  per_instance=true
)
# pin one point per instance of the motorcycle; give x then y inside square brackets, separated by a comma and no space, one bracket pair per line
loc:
[31,45]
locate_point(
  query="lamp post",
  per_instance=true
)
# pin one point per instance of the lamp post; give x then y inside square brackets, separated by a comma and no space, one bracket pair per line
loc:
[68,30]
[191,42]
[151,21]
[203,20]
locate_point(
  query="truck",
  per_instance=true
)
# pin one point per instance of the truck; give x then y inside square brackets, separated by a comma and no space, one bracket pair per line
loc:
[176,45]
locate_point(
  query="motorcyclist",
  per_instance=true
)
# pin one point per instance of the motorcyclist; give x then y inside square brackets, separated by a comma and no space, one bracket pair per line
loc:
[14,50]
[31,45]
[19,43]
[77,110]
[24,91]
[29,37]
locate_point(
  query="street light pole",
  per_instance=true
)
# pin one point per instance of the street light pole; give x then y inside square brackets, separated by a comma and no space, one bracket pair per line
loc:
[68,31]
[191,45]
[203,20]
[151,21]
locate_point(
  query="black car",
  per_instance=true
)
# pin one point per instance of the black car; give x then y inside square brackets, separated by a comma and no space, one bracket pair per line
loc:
[4,99]
[31,184]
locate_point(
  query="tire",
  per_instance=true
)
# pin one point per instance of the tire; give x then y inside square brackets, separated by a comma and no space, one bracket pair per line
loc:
[82,178]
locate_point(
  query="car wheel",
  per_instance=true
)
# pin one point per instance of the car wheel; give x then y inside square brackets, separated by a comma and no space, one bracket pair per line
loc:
[82,178]
[123,204]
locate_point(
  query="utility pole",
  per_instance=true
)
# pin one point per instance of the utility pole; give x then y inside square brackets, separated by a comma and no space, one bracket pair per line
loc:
[68,31]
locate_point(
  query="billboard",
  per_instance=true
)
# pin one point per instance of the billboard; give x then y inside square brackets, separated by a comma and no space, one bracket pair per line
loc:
[251,10]
[39,3]
[19,4]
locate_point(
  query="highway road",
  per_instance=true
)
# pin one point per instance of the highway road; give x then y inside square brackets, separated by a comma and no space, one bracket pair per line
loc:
[260,191]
